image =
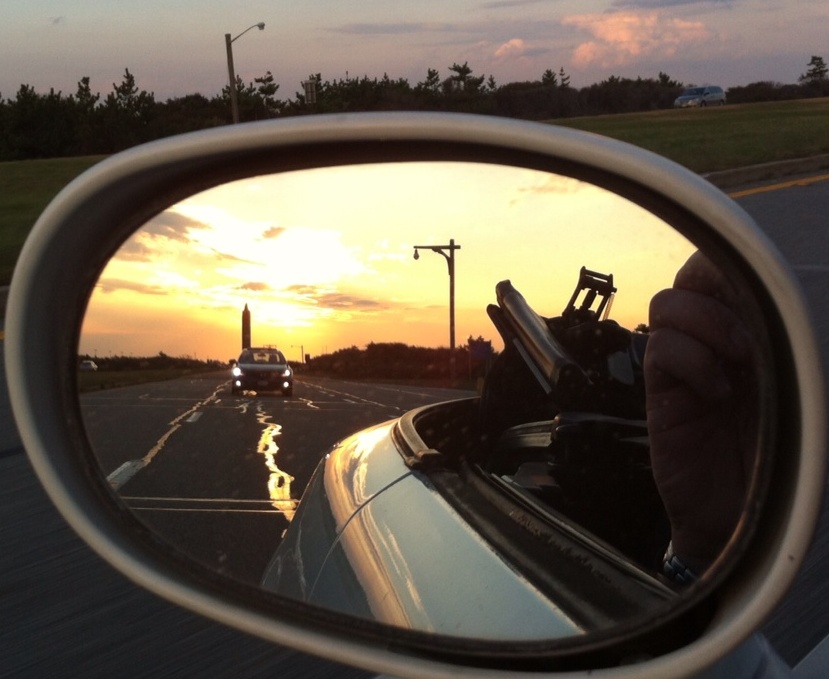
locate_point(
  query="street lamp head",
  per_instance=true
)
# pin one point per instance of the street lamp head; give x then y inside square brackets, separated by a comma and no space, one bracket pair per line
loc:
[416,254]
[261,25]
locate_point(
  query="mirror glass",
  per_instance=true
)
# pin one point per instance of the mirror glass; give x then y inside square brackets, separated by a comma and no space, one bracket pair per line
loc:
[239,335]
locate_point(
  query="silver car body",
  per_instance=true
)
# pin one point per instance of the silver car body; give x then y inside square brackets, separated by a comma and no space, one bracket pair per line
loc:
[710,95]
[350,548]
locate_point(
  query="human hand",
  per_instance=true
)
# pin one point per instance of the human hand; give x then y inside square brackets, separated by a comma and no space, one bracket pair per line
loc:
[702,408]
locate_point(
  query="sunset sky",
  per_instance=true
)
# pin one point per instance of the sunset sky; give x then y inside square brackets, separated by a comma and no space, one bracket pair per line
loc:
[323,258]
[177,48]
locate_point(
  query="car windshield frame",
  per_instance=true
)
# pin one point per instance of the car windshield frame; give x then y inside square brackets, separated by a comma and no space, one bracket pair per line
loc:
[262,357]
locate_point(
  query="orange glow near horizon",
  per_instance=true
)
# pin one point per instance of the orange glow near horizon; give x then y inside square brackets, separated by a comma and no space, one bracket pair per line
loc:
[323,259]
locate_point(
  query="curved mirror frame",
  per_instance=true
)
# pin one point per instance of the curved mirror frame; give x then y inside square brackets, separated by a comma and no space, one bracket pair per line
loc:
[323,265]
[320,263]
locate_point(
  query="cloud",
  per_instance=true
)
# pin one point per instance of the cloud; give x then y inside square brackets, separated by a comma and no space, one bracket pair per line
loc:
[501,4]
[134,250]
[396,28]
[336,301]
[273,232]
[255,286]
[225,257]
[172,225]
[620,38]
[518,49]
[152,241]
[108,285]
[512,48]
[342,301]
[661,4]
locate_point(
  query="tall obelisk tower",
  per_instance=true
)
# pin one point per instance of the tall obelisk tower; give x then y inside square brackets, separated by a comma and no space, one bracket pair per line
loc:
[245,328]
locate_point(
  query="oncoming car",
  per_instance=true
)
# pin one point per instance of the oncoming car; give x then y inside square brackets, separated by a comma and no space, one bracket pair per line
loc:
[262,369]
[701,97]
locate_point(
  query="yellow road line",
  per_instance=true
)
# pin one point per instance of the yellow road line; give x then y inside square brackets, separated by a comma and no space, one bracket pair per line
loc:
[805,181]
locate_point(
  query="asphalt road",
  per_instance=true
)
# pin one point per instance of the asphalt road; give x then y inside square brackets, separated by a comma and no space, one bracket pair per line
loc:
[65,613]
[797,220]
[219,475]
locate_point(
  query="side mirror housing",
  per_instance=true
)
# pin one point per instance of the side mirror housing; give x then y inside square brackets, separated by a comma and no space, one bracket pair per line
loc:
[84,227]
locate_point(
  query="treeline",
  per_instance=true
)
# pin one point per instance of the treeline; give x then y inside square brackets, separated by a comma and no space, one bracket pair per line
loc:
[399,361]
[772,91]
[160,361]
[34,125]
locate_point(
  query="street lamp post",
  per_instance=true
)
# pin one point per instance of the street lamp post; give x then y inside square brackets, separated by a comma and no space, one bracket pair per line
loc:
[231,72]
[448,253]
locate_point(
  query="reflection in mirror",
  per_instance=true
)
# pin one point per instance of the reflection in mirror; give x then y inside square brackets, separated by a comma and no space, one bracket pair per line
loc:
[596,386]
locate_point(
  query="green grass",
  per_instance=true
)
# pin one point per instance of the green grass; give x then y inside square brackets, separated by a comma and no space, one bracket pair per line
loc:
[722,138]
[703,140]
[26,187]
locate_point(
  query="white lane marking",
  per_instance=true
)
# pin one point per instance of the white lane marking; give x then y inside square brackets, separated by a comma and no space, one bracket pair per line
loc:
[195,417]
[226,505]
[287,513]
[279,482]
[185,500]
[309,403]
[124,473]
[442,392]
[129,469]
[345,396]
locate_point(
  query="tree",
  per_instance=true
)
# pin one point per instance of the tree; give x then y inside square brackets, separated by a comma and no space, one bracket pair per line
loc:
[266,93]
[86,116]
[431,85]
[127,99]
[666,81]
[462,73]
[37,126]
[85,100]
[126,115]
[817,71]
[549,78]
[188,113]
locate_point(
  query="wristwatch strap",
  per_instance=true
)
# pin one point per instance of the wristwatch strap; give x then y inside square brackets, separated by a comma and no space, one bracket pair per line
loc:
[675,570]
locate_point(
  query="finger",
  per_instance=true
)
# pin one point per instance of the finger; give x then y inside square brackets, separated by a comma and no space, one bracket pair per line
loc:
[672,356]
[698,274]
[703,318]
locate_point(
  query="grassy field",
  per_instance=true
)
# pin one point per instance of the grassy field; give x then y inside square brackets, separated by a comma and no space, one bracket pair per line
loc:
[703,140]
[26,187]
[722,138]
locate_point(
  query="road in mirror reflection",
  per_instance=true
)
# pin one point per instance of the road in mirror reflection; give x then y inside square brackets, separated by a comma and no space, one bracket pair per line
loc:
[323,261]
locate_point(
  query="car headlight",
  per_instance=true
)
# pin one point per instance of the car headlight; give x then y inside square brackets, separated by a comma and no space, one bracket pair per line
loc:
[237,371]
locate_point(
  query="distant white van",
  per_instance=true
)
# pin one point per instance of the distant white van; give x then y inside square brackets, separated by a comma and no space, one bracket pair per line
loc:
[710,95]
